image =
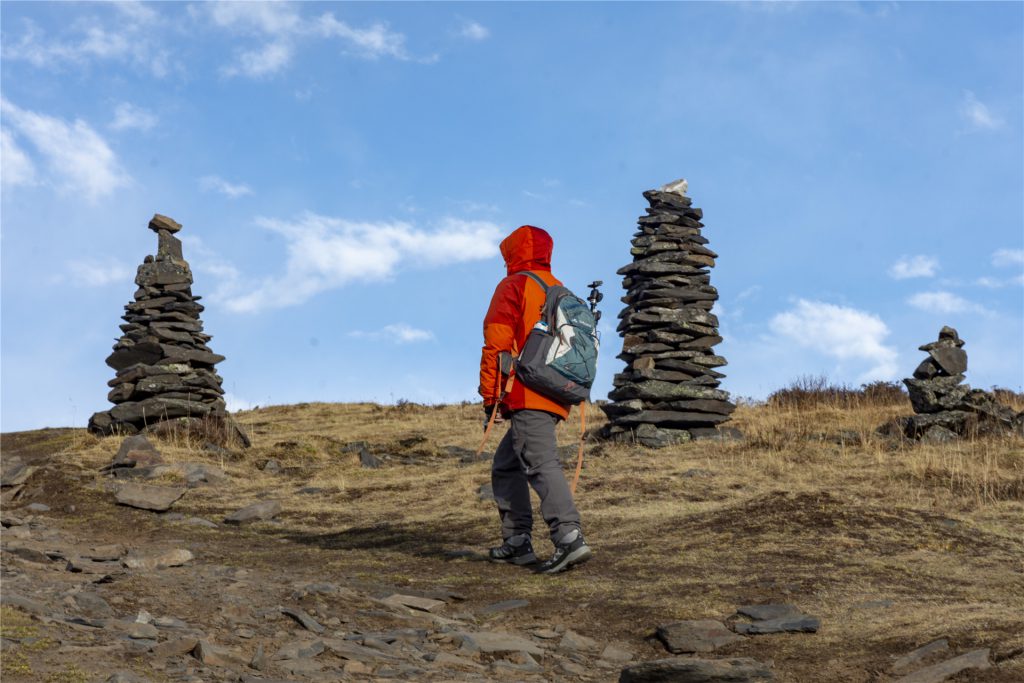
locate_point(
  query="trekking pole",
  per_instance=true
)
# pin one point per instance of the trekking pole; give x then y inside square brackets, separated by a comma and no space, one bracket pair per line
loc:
[595,298]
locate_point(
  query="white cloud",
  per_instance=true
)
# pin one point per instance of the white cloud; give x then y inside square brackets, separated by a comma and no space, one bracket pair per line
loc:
[840,332]
[74,152]
[913,266]
[326,253]
[978,114]
[282,27]
[943,302]
[128,115]
[397,333]
[129,38]
[472,30]
[212,183]
[1008,257]
[98,274]
[15,168]
[266,61]
[237,403]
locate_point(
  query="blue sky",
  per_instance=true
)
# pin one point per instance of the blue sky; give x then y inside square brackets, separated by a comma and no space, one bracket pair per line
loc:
[344,173]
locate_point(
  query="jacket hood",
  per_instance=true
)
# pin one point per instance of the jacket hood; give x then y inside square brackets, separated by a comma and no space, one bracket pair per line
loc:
[527,248]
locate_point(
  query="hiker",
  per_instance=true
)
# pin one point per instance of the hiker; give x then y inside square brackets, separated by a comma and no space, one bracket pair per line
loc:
[527,454]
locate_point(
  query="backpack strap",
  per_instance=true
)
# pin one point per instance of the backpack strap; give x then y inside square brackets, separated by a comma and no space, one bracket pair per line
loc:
[535,278]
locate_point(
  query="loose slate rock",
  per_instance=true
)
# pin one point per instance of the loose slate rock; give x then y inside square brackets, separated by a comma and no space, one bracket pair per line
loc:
[307,622]
[764,612]
[739,670]
[414,602]
[264,510]
[915,657]
[145,497]
[700,635]
[170,558]
[976,659]
[487,641]
[799,623]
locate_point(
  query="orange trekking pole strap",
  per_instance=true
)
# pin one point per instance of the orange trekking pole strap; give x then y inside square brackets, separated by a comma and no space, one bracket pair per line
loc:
[497,407]
[579,455]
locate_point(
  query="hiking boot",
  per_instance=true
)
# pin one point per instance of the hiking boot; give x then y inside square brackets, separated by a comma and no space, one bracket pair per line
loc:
[571,551]
[515,550]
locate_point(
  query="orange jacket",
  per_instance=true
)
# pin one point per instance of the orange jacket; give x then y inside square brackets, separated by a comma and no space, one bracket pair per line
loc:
[515,308]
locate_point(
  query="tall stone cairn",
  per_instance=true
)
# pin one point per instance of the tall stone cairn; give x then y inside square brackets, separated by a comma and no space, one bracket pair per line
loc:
[669,392]
[945,408]
[164,366]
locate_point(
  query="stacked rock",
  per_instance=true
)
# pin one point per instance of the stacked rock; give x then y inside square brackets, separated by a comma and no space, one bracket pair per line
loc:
[669,391]
[945,407]
[164,366]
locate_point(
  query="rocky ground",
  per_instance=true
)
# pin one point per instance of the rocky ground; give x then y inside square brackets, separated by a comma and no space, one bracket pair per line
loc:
[186,563]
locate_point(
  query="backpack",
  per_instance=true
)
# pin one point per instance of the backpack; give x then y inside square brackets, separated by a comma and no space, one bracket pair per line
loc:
[559,359]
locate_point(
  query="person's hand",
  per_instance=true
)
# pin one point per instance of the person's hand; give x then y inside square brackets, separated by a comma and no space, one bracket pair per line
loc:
[488,409]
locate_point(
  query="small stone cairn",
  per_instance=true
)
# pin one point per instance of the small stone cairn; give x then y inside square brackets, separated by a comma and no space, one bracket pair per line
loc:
[669,391]
[945,407]
[164,366]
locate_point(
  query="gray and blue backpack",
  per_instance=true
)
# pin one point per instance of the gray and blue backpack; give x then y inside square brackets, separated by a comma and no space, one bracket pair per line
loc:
[559,359]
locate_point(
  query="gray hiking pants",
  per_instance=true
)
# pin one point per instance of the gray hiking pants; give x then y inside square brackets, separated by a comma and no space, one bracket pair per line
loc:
[527,455]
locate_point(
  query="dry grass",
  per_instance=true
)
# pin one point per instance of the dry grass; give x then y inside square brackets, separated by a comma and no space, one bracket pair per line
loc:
[812,507]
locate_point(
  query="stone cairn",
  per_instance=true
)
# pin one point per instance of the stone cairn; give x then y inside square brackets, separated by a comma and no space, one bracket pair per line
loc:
[945,407]
[164,366]
[669,392]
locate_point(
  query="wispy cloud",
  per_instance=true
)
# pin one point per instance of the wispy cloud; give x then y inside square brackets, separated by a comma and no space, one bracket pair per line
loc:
[16,168]
[472,30]
[397,333]
[282,28]
[913,266]
[125,35]
[325,253]
[1008,257]
[75,154]
[943,302]
[840,332]
[978,114]
[128,115]
[212,183]
[92,273]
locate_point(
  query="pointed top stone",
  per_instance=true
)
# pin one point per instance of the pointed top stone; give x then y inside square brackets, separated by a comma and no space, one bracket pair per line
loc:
[162,222]
[678,187]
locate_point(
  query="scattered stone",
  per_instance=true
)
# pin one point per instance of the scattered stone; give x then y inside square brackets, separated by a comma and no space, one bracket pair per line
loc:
[701,635]
[765,612]
[450,661]
[300,649]
[104,553]
[92,605]
[176,647]
[208,653]
[575,642]
[37,507]
[414,602]
[503,606]
[686,670]
[22,603]
[15,472]
[271,466]
[368,459]
[976,659]
[616,654]
[141,631]
[262,511]
[798,623]
[307,622]
[146,497]
[169,558]
[916,657]
[490,642]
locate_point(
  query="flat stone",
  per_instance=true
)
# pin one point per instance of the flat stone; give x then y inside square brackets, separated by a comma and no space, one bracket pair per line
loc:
[307,622]
[950,358]
[264,510]
[449,661]
[176,647]
[145,497]
[575,642]
[163,560]
[141,631]
[161,222]
[503,606]
[772,611]
[414,602]
[346,649]
[687,670]
[92,604]
[976,659]
[699,635]
[792,624]
[916,657]
[37,507]
[616,654]
[487,641]
[208,653]
[300,649]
